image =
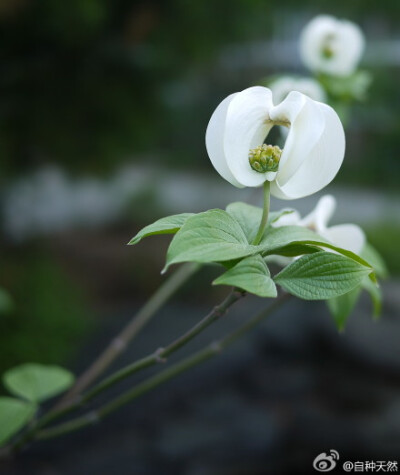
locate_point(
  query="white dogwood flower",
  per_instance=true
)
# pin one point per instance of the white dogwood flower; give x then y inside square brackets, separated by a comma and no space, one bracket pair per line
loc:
[282,86]
[346,236]
[312,154]
[331,46]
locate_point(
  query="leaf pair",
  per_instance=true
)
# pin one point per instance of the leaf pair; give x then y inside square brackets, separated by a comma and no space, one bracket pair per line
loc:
[33,383]
[224,236]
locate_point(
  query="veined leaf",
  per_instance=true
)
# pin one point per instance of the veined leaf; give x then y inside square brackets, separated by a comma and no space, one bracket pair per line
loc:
[294,249]
[277,238]
[167,225]
[298,246]
[249,217]
[322,275]
[250,274]
[212,236]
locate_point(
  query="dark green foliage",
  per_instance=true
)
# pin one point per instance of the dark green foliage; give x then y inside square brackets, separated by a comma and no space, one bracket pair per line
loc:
[49,317]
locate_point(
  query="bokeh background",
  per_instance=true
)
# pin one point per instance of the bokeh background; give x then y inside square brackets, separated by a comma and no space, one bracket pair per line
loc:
[103,110]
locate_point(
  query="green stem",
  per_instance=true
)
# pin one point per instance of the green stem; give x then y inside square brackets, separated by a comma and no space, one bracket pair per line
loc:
[264,217]
[121,341]
[160,378]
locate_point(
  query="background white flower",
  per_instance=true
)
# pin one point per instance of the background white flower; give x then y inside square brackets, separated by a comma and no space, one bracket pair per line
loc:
[312,154]
[346,236]
[282,86]
[331,46]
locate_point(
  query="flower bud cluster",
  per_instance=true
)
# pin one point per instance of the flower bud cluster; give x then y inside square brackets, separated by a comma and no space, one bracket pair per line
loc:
[265,158]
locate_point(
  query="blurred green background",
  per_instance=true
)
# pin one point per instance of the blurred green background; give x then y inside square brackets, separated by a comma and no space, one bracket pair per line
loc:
[94,86]
[103,110]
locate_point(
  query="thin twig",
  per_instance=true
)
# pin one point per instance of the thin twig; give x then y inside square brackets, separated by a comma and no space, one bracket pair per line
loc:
[211,350]
[119,343]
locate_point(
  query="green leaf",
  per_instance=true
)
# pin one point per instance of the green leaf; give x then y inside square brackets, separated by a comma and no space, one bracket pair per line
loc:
[354,86]
[250,274]
[371,255]
[376,296]
[36,382]
[298,246]
[14,415]
[167,225]
[322,275]
[342,306]
[249,217]
[277,238]
[295,249]
[212,236]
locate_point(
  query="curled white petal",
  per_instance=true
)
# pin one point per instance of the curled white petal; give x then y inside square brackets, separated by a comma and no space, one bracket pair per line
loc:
[314,149]
[246,127]
[344,39]
[239,124]
[319,218]
[215,143]
[289,219]
[346,236]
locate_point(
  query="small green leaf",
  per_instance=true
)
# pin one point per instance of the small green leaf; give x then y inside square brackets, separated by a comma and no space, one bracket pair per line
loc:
[322,275]
[212,236]
[371,255]
[249,217]
[167,225]
[14,415]
[342,306]
[36,382]
[250,274]
[376,296]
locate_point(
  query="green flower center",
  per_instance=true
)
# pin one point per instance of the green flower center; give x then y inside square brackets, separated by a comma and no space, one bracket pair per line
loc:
[265,158]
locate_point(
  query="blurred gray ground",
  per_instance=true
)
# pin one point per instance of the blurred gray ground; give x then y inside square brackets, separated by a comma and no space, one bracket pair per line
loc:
[288,391]
[49,201]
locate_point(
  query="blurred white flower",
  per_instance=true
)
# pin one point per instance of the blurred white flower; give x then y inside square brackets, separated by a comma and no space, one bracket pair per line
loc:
[282,86]
[346,236]
[331,46]
[313,151]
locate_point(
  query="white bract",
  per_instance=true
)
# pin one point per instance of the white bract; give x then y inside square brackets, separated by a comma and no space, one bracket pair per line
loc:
[312,154]
[346,236]
[282,86]
[331,46]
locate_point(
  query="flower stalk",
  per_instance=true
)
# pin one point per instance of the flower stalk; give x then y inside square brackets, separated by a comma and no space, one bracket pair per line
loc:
[264,217]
